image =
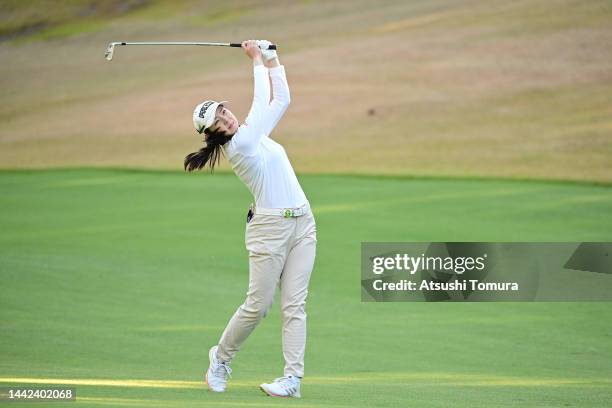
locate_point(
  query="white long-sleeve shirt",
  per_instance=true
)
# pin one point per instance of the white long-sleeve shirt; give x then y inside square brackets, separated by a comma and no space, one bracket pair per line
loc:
[260,162]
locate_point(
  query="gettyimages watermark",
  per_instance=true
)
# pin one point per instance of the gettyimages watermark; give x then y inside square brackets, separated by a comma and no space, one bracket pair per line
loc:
[485,271]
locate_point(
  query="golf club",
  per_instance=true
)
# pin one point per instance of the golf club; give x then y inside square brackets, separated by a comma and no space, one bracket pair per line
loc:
[111,46]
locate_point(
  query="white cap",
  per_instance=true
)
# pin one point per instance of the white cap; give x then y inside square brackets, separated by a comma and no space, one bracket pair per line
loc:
[204,114]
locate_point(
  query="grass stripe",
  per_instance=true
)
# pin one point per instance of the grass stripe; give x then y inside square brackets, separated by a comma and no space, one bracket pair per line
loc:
[386,378]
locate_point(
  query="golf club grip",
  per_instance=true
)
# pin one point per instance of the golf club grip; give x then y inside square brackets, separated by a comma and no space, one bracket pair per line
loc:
[270,47]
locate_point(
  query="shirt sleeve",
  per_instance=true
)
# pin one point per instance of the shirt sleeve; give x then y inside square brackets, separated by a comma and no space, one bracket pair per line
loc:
[264,115]
[280,99]
[251,132]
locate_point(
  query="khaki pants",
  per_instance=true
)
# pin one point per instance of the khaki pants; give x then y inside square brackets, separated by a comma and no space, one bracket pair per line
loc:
[281,253]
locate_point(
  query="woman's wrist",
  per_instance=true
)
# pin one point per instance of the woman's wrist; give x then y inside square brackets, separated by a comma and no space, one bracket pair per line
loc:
[257,60]
[273,63]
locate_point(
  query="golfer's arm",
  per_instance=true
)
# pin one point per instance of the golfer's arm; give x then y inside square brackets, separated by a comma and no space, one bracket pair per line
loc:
[280,88]
[280,98]
[255,121]
[261,86]
[261,93]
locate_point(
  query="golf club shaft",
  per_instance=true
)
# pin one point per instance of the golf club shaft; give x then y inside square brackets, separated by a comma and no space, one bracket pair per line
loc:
[238,45]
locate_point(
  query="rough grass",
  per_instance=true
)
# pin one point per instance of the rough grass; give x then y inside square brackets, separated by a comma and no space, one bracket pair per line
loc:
[55,19]
[503,89]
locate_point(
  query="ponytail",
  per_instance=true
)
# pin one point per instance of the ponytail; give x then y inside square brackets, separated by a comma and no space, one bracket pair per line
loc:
[209,154]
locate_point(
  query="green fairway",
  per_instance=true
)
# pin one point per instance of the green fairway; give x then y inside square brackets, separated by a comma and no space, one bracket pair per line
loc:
[119,281]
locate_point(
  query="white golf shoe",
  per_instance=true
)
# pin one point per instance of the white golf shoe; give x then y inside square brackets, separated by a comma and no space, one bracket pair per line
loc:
[218,372]
[288,386]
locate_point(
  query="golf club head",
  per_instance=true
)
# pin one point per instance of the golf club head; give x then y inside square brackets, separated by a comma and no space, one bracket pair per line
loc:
[110,51]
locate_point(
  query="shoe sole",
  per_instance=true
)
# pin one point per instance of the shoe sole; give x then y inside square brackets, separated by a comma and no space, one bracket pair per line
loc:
[206,382]
[271,394]
[208,385]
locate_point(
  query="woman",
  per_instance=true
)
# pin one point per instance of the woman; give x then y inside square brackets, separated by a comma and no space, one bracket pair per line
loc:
[280,232]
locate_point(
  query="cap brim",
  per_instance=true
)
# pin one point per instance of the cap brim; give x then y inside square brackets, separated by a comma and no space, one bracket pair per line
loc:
[209,116]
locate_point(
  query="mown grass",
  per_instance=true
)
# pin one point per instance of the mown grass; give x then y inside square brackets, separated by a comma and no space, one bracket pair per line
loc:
[117,282]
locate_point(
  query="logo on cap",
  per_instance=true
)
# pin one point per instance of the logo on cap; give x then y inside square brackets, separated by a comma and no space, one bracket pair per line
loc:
[204,107]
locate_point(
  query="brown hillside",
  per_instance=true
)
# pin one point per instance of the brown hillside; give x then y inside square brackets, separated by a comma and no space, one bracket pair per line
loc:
[508,89]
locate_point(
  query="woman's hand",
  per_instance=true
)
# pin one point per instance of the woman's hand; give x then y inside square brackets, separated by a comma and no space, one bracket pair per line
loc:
[253,51]
[269,57]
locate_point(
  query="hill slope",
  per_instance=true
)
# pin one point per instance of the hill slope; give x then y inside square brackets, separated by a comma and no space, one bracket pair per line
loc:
[507,89]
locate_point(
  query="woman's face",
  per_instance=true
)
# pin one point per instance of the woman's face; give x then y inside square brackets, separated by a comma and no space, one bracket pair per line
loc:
[225,122]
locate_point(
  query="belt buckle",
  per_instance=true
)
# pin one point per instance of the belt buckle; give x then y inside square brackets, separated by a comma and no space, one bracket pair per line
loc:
[287,213]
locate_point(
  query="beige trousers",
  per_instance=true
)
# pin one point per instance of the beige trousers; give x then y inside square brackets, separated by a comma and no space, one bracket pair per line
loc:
[281,253]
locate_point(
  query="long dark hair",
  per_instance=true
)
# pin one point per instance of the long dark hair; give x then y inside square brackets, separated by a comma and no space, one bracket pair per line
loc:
[211,153]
